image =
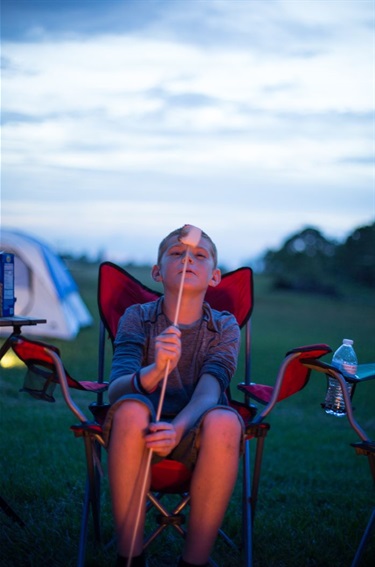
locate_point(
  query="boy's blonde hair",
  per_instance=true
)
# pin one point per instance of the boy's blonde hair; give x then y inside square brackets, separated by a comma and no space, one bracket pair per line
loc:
[181,232]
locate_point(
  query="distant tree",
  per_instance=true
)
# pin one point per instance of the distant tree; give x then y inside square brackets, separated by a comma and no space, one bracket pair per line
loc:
[355,258]
[307,261]
[304,262]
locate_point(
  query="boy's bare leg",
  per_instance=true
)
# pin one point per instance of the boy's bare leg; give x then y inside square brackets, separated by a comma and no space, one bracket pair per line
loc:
[126,461]
[213,482]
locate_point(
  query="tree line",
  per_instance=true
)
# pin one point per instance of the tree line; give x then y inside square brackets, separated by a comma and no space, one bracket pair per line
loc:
[308,261]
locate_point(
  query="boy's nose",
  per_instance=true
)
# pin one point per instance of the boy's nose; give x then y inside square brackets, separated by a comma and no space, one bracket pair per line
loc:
[187,256]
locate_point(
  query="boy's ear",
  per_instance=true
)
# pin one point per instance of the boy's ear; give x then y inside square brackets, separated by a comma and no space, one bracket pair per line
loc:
[155,273]
[216,278]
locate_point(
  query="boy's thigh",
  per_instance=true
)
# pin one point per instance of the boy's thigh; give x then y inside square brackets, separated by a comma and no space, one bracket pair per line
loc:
[187,450]
[107,426]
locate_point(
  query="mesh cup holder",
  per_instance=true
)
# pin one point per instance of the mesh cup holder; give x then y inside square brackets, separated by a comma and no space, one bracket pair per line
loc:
[39,383]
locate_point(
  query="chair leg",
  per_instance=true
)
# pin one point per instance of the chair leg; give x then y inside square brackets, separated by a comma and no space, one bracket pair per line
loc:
[247,514]
[91,499]
[366,536]
[92,455]
[84,526]
[257,471]
[251,486]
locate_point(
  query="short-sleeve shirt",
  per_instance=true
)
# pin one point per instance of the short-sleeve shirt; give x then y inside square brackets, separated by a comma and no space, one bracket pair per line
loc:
[211,345]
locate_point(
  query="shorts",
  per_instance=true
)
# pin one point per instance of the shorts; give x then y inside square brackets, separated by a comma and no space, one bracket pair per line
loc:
[186,452]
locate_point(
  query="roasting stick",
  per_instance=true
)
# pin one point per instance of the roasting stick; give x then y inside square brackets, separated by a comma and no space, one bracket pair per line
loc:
[191,239]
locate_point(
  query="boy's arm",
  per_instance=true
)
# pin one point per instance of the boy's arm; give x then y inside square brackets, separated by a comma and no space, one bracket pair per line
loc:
[206,395]
[167,348]
[163,436]
[149,377]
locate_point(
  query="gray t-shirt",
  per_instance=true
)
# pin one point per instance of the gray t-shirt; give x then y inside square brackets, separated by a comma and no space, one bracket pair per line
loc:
[209,346]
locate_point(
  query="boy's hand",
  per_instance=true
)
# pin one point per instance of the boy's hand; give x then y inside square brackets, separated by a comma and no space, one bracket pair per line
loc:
[168,347]
[161,438]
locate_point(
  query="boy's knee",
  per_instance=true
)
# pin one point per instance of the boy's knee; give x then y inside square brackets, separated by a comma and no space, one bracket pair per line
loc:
[132,414]
[223,420]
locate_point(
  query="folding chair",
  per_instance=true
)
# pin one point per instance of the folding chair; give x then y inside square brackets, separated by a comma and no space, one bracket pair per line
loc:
[117,290]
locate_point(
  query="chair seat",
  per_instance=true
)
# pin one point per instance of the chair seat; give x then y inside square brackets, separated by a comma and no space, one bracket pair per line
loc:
[170,477]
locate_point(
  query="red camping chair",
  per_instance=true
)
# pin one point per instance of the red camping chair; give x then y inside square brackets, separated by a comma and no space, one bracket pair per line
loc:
[116,291]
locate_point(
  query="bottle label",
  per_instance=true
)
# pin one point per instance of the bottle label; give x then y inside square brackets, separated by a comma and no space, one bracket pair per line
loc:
[349,368]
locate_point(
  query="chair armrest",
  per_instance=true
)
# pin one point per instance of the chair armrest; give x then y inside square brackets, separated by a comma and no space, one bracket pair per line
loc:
[259,392]
[63,381]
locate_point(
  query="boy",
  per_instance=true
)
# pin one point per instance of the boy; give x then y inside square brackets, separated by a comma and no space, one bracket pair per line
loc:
[197,426]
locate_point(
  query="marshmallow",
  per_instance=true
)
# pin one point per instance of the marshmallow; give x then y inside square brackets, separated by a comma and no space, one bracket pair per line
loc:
[192,237]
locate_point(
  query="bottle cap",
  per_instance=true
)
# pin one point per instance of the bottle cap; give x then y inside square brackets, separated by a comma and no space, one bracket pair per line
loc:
[347,342]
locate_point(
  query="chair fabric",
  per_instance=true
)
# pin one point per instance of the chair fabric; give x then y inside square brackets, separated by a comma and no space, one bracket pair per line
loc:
[295,378]
[118,289]
[41,376]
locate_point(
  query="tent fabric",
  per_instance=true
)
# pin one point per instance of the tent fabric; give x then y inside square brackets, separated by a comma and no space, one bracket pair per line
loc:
[44,288]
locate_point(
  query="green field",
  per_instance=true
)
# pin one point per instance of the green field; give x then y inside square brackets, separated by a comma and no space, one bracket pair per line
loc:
[315,495]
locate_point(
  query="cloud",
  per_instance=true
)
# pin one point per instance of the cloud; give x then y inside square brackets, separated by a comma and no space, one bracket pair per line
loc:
[259,114]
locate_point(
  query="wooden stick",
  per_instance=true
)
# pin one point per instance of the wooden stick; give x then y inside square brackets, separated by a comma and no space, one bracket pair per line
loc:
[193,241]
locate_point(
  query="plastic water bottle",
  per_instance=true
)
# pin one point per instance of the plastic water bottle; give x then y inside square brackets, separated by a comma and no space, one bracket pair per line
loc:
[345,359]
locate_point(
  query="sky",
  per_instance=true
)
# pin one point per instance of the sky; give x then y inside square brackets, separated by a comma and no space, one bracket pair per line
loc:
[125,119]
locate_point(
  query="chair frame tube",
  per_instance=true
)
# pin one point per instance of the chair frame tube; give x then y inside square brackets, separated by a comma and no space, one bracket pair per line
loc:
[329,370]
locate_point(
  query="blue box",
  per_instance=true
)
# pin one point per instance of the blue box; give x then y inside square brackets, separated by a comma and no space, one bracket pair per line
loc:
[7,298]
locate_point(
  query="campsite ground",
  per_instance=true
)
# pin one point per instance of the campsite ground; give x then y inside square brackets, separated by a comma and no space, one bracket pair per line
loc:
[315,494]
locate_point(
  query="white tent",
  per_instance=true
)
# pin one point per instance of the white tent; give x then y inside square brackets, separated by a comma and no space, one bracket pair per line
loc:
[44,288]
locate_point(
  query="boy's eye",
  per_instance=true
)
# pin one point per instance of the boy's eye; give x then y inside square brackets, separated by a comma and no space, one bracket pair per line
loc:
[201,254]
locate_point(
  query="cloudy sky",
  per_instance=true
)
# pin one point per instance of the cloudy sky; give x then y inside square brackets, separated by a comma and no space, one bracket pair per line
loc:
[124,119]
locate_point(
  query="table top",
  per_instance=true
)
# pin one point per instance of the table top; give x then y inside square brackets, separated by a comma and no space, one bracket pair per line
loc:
[20,321]
[366,371]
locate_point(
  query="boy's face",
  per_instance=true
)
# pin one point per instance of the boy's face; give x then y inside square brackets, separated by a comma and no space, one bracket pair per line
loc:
[200,270]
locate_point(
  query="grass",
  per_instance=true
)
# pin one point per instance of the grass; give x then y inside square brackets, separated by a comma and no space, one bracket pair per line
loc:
[315,494]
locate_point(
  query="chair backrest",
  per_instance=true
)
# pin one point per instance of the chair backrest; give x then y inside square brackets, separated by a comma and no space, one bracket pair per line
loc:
[118,289]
